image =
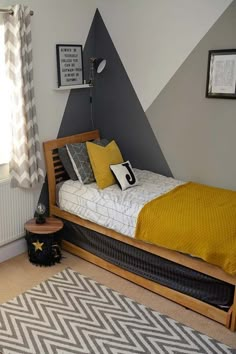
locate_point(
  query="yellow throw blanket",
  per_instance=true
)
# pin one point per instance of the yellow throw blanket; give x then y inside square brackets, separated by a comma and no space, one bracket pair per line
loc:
[196,219]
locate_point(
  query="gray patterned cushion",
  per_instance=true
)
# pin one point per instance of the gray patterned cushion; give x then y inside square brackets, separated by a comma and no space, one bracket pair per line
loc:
[80,160]
[66,162]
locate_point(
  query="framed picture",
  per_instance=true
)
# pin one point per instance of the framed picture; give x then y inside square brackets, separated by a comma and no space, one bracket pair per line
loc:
[69,64]
[221,74]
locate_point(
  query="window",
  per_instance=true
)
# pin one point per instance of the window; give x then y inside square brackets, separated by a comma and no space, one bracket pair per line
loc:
[5,114]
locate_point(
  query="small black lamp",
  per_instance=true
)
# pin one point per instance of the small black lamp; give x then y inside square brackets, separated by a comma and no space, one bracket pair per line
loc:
[40,211]
[97,65]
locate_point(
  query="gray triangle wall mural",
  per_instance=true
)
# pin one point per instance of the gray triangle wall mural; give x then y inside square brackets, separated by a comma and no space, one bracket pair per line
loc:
[116,110]
[118,113]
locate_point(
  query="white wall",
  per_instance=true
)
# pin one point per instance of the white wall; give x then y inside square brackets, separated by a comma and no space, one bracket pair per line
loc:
[12,249]
[153,37]
[54,22]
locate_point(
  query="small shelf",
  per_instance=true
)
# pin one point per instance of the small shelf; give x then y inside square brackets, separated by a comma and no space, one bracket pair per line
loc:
[73,87]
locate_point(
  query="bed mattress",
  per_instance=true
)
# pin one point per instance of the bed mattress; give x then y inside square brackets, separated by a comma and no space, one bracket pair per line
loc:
[112,208]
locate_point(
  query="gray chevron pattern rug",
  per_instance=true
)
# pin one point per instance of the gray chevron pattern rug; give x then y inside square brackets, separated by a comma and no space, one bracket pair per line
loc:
[70,313]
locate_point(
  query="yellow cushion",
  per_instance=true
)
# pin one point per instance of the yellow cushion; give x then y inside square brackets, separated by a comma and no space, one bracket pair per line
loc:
[101,157]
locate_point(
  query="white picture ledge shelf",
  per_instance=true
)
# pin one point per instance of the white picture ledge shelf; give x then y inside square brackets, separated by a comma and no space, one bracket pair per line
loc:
[73,87]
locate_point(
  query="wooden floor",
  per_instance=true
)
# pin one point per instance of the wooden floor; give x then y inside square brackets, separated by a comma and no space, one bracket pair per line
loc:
[18,275]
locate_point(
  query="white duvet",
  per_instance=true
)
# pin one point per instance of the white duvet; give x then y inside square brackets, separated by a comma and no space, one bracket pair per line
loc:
[112,208]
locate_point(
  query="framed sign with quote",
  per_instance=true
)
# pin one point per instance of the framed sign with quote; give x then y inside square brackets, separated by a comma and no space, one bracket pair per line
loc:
[69,64]
[221,74]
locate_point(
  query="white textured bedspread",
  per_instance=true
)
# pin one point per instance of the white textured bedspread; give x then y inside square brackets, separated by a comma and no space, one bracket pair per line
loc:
[111,207]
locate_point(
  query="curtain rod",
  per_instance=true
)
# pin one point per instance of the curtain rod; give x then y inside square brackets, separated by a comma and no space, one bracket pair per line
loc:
[11,12]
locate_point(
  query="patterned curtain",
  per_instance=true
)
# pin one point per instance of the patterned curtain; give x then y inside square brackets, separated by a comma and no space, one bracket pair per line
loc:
[26,164]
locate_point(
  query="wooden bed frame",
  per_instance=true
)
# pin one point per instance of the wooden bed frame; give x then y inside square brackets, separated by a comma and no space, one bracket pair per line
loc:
[56,173]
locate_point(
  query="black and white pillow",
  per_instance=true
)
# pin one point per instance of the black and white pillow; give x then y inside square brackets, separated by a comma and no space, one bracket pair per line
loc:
[124,175]
[80,160]
[66,162]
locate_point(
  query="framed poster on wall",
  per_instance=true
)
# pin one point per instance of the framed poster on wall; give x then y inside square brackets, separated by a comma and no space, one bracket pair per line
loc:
[69,64]
[221,74]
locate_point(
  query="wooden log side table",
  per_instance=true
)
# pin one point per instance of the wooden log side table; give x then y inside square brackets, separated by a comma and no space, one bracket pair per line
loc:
[43,241]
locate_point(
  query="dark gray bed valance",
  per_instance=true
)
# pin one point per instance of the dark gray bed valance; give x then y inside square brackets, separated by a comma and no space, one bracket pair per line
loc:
[152,267]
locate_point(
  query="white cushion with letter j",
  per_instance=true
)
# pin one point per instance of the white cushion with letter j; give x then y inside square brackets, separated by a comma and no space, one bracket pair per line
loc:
[124,175]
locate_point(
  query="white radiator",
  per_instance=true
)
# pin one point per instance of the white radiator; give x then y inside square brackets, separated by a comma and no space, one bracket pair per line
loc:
[16,207]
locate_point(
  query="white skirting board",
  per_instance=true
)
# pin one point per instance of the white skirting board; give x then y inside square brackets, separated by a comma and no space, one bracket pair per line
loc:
[12,249]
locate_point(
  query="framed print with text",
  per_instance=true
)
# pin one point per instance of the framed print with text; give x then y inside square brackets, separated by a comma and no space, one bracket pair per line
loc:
[69,64]
[221,74]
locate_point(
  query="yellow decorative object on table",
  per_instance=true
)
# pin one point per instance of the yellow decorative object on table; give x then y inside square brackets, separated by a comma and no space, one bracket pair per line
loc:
[38,245]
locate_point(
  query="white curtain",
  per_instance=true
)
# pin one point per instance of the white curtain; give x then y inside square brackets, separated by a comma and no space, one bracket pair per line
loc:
[26,164]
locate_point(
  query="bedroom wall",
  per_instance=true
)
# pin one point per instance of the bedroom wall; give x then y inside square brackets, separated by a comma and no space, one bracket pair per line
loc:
[197,134]
[153,44]
[54,21]
[77,116]
[154,37]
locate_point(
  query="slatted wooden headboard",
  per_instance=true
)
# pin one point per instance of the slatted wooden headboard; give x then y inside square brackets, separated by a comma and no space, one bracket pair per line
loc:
[55,169]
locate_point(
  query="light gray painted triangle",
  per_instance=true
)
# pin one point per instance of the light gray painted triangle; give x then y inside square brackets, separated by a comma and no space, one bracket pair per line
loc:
[197,134]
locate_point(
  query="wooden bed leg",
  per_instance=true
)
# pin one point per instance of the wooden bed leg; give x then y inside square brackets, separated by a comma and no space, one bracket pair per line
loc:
[233,315]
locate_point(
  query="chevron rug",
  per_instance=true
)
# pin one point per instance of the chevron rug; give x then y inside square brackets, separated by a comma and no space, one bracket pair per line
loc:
[70,313]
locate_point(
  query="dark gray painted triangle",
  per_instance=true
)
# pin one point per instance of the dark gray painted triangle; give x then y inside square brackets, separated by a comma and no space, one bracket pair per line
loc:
[118,113]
